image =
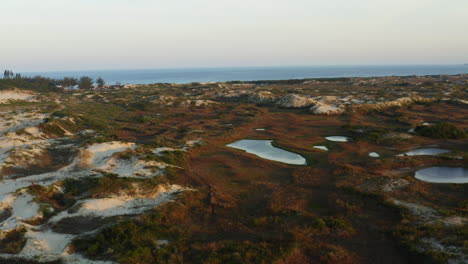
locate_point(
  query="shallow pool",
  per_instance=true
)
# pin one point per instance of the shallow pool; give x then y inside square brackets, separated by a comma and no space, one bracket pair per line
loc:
[264,149]
[443,175]
[338,138]
[321,147]
[425,151]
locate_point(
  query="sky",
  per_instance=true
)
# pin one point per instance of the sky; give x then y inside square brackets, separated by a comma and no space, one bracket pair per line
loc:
[50,35]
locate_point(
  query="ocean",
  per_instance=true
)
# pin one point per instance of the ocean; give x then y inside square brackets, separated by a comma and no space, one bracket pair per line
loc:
[188,75]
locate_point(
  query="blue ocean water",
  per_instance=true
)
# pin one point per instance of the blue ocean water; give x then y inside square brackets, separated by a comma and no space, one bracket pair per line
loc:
[187,75]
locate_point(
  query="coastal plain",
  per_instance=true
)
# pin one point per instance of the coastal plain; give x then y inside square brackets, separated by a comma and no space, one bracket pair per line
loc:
[145,173]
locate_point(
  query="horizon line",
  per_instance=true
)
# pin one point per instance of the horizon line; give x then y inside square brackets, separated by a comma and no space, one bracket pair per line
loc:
[240,67]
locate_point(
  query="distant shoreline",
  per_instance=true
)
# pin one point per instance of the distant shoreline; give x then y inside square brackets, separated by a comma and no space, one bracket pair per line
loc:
[203,75]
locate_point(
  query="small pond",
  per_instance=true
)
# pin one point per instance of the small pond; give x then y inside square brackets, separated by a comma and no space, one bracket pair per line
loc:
[264,149]
[443,175]
[425,151]
[321,147]
[338,138]
[374,155]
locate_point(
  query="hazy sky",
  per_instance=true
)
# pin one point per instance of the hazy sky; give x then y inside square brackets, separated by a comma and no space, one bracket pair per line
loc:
[108,34]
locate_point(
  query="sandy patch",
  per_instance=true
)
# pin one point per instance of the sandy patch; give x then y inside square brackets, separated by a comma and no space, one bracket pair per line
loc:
[13,95]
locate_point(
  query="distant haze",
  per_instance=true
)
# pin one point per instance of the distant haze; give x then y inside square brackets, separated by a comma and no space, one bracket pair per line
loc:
[51,35]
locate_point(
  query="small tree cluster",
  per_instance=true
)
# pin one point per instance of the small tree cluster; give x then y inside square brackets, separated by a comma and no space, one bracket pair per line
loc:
[85,83]
[68,82]
[8,74]
[43,84]
[100,82]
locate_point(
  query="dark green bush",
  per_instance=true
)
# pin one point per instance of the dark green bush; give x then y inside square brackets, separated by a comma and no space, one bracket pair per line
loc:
[318,223]
[59,114]
[79,186]
[172,157]
[51,129]
[441,131]
[134,241]
[13,242]
[37,84]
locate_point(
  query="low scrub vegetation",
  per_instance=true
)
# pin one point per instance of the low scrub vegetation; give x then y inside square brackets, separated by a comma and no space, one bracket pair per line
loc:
[442,131]
[151,239]
[13,242]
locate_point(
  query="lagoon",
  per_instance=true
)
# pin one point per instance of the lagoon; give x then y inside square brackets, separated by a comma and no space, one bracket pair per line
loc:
[264,149]
[425,151]
[443,175]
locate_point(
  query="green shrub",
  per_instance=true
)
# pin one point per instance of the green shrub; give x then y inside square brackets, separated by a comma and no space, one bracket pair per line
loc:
[134,241]
[318,223]
[126,155]
[335,222]
[59,114]
[442,131]
[463,204]
[13,242]
[172,157]
[46,209]
[77,187]
[111,183]
[51,129]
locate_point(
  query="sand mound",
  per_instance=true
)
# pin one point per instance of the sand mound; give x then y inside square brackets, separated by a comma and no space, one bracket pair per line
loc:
[15,95]
[261,97]
[326,109]
[197,103]
[97,155]
[10,122]
[22,207]
[404,101]
[295,101]
[122,204]
[134,167]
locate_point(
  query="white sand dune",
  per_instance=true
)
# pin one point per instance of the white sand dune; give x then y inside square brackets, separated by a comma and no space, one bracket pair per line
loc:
[134,167]
[18,207]
[98,154]
[9,95]
[10,122]
[121,204]
[22,208]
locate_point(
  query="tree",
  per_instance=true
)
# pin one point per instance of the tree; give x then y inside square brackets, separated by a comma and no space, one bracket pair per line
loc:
[8,74]
[100,82]
[69,82]
[85,83]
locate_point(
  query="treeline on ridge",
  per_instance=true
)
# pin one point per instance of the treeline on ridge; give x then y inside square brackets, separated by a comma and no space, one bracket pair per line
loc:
[44,84]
